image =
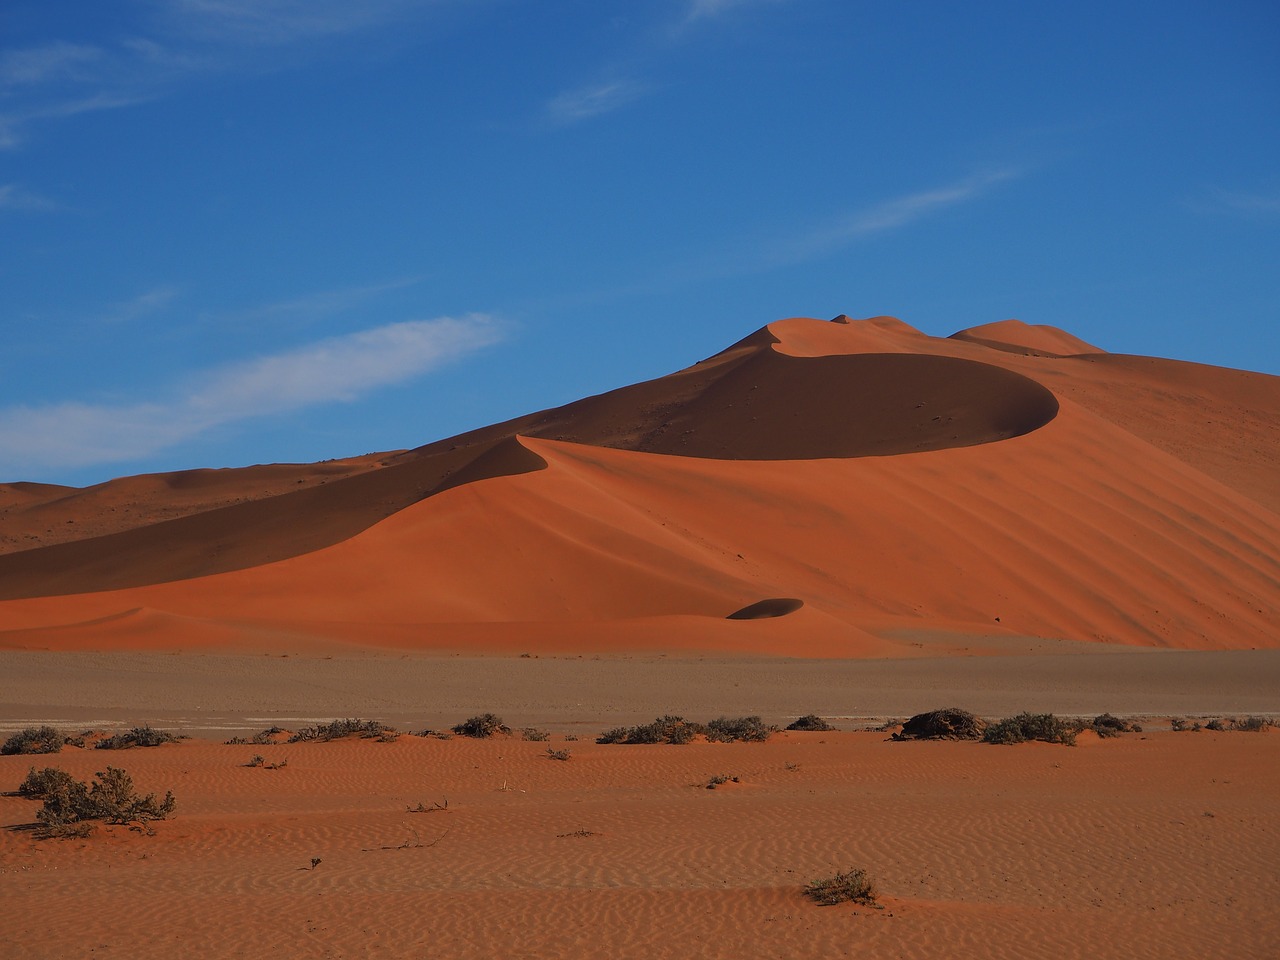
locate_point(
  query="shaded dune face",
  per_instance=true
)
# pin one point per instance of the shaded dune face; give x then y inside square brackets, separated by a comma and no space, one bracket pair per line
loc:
[747,403]
[777,407]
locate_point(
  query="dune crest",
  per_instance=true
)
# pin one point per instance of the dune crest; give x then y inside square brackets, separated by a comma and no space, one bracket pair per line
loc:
[1018,337]
[889,492]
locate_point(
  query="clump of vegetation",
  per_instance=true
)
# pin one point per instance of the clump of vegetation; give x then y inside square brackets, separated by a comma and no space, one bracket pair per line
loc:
[71,806]
[1249,724]
[949,723]
[261,737]
[720,779]
[137,737]
[534,734]
[748,729]
[482,726]
[553,754]
[810,722]
[852,886]
[1180,725]
[668,729]
[1108,726]
[34,740]
[341,729]
[1030,726]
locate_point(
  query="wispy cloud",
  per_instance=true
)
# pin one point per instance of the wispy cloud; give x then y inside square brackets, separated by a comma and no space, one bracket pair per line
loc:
[1240,203]
[889,215]
[171,42]
[338,369]
[13,197]
[42,64]
[144,304]
[709,9]
[325,303]
[592,100]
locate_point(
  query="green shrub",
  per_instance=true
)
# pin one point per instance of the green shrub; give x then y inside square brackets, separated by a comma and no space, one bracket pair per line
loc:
[137,737]
[1030,726]
[482,726]
[810,722]
[852,886]
[34,740]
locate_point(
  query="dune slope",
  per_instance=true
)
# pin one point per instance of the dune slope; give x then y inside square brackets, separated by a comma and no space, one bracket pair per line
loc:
[890,482]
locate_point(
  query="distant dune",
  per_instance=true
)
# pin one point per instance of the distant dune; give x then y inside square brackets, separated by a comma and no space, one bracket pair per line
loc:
[842,487]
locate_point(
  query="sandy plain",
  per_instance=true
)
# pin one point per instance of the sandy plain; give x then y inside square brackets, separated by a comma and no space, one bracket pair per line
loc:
[1155,845]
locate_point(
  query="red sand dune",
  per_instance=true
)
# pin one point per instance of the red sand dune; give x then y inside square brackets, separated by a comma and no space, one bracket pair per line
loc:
[1010,479]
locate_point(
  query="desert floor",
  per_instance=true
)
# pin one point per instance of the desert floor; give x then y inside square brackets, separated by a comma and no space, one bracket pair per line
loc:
[1158,844]
[1155,845]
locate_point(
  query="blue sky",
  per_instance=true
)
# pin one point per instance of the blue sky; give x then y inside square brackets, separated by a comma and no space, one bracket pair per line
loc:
[240,231]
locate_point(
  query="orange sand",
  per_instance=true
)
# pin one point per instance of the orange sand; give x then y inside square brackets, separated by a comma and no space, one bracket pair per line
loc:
[1159,846]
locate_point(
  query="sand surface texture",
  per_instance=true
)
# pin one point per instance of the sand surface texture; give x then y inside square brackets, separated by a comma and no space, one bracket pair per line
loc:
[1159,845]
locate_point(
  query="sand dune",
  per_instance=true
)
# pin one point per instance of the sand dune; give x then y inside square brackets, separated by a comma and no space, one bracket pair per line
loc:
[885,491]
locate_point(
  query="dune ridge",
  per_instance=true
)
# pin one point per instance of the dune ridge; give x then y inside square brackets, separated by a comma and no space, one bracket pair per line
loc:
[885,479]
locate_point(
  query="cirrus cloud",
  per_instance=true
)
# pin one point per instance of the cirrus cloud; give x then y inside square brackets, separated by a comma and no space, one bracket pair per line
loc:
[336,369]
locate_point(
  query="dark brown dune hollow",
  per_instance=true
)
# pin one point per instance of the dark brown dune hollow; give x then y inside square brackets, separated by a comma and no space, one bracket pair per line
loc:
[767,609]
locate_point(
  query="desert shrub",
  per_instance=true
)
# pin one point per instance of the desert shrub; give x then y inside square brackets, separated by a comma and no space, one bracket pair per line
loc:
[116,801]
[949,723]
[533,733]
[553,754]
[668,729]
[851,886]
[41,783]
[1252,724]
[137,737]
[482,726]
[258,739]
[1215,724]
[720,779]
[1108,726]
[340,729]
[34,740]
[1030,726]
[70,805]
[812,722]
[729,729]
[1181,725]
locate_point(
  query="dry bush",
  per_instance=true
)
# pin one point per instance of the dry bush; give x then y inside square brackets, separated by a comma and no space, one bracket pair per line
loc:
[668,729]
[748,729]
[852,886]
[534,734]
[482,726]
[137,737]
[341,729]
[1107,725]
[70,806]
[1044,727]
[34,740]
[949,723]
[553,754]
[810,722]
